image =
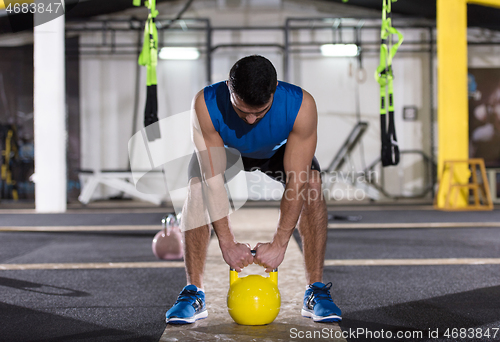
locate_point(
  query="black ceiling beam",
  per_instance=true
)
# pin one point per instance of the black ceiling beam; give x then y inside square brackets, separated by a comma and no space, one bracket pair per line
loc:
[92,8]
[481,16]
[477,16]
[413,8]
[75,10]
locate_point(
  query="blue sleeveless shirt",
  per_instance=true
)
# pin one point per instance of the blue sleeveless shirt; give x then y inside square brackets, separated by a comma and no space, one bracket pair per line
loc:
[260,140]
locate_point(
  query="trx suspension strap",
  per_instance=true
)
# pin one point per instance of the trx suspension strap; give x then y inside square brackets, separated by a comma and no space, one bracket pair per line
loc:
[384,77]
[149,58]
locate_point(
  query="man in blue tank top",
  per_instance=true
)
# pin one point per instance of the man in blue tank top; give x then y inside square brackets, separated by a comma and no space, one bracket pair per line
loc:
[273,126]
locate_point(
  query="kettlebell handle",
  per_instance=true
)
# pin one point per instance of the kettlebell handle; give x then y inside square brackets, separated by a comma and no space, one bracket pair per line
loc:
[253,251]
[168,221]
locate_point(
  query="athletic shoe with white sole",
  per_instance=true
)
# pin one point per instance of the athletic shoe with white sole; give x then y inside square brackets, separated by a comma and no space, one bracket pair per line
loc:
[189,307]
[319,305]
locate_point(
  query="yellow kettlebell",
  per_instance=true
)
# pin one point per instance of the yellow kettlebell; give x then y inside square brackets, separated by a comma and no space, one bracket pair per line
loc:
[253,299]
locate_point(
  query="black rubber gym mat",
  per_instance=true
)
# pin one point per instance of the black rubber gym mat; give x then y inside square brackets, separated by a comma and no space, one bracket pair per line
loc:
[87,305]
[415,216]
[81,219]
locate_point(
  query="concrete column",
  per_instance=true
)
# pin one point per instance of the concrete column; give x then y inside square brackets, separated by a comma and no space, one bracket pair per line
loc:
[50,115]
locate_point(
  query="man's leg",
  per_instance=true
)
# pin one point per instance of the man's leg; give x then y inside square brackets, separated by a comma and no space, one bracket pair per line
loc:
[313,221]
[196,234]
[312,227]
[190,305]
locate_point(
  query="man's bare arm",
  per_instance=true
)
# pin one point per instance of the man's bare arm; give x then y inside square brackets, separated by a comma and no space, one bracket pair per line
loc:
[212,159]
[299,153]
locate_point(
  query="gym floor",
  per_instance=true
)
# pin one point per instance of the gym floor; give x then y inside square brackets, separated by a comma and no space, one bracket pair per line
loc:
[411,272]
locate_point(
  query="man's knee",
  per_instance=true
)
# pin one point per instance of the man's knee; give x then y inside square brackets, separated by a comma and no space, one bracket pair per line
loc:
[314,188]
[195,189]
[194,210]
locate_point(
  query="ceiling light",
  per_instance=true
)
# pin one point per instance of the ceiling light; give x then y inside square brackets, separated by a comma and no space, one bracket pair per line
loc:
[183,53]
[339,50]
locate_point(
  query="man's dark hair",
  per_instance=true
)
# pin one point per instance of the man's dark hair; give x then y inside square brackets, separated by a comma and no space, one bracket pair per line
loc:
[253,79]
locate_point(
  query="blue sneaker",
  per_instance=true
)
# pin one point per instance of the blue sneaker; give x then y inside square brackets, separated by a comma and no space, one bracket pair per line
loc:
[189,307]
[318,304]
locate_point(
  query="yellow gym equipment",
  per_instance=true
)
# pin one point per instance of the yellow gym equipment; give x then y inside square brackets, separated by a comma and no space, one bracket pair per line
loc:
[452,185]
[253,299]
[8,186]
[453,116]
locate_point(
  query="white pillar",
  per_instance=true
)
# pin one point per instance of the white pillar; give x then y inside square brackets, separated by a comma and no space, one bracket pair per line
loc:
[50,116]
